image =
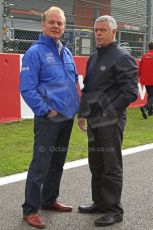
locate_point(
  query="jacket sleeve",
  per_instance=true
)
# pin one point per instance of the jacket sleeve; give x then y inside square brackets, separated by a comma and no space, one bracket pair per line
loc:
[29,81]
[127,79]
[76,74]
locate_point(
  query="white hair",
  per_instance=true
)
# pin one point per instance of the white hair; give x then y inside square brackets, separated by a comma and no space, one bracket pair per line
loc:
[54,9]
[111,21]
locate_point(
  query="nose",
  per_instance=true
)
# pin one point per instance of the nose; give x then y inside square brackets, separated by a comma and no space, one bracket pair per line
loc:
[98,32]
[55,24]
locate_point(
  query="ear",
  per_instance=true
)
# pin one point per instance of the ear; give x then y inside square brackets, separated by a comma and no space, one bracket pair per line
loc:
[114,31]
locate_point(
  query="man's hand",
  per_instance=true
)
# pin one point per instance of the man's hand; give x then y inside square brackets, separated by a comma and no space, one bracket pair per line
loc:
[82,124]
[52,114]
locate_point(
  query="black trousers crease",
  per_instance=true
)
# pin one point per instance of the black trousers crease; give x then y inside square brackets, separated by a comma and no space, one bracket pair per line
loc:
[105,163]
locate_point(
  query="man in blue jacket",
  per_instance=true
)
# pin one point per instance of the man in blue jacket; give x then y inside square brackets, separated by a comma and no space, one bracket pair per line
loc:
[49,87]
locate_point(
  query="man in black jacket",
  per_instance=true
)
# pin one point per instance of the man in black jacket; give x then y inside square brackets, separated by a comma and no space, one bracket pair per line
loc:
[110,85]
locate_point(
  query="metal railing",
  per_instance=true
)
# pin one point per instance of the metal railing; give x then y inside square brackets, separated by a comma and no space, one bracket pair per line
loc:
[22,23]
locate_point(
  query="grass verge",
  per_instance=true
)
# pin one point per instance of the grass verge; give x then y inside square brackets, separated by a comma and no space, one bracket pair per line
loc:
[16,140]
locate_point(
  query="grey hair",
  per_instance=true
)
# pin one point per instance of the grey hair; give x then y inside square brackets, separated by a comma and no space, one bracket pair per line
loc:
[109,19]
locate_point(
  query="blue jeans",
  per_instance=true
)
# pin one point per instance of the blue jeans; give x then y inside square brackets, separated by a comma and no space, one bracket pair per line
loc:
[51,140]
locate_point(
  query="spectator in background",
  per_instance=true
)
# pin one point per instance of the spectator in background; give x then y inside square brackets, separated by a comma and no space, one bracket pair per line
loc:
[146,78]
[49,87]
[110,85]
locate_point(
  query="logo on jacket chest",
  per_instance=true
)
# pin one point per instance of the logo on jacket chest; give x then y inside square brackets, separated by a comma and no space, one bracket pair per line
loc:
[102,68]
[50,58]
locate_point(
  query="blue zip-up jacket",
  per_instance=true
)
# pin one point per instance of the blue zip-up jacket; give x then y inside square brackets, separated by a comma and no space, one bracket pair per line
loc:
[49,80]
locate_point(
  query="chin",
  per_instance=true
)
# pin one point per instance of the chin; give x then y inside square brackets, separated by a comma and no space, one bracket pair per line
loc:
[55,38]
[99,44]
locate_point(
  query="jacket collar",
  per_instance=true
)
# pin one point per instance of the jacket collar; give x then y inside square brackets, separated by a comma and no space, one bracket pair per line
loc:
[47,40]
[51,42]
[101,49]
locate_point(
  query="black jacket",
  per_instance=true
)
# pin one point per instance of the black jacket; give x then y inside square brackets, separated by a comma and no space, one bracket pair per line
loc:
[110,84]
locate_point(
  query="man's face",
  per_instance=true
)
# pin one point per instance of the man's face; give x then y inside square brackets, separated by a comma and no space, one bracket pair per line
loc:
[104,35]
[53,26]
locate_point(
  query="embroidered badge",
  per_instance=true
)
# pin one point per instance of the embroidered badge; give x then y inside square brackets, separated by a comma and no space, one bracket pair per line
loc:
[50,58]
[102,68]
[26,68]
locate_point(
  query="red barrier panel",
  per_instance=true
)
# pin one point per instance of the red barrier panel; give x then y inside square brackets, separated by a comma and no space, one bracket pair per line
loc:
[142,97]
[9,87]
[10,105]
[81,66]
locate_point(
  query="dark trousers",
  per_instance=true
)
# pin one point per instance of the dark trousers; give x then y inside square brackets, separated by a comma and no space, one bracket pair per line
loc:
[149,105]
[51,139]
[105,162]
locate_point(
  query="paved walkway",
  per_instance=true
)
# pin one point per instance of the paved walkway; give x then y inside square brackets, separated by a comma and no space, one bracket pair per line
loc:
[137,199]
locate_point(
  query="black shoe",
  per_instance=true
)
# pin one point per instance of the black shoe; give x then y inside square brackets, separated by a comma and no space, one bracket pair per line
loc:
[88,209]
[107,220]
[144,112]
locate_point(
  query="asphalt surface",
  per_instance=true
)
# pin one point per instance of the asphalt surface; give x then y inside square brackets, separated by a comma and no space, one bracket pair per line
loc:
[137,199]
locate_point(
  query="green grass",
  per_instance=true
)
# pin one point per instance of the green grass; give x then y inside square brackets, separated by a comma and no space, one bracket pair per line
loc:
[138,131]
[16,141]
